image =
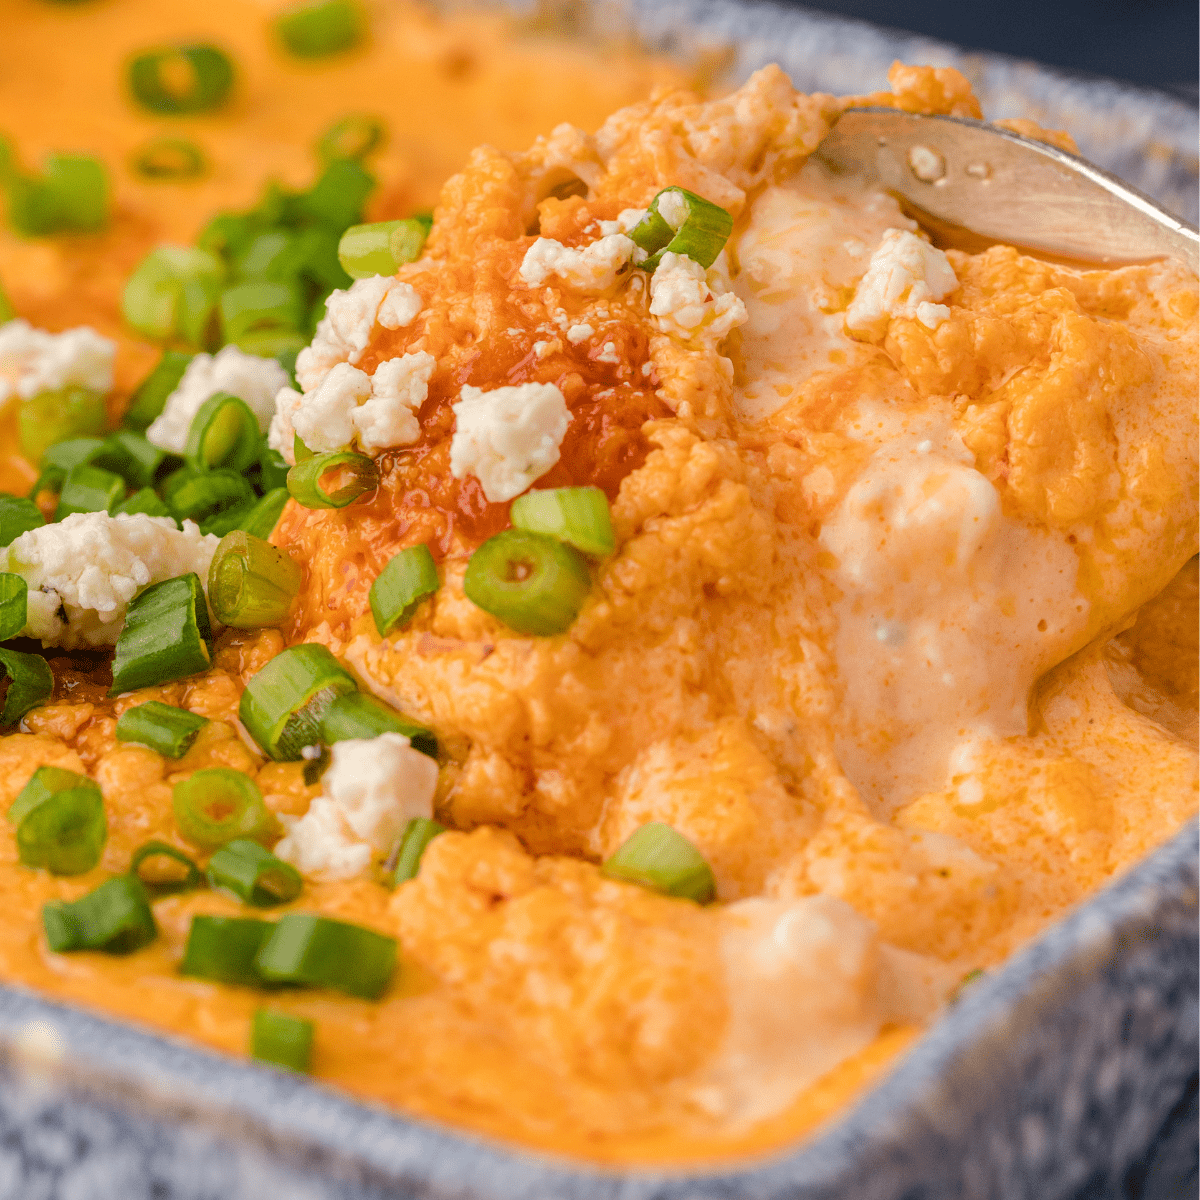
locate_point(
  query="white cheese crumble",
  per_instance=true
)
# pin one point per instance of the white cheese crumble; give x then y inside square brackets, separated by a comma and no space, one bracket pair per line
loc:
[34,361]
[579,333]
[626,220]
[324,419]
[685,305]
[252,379]
[673,209]
[592,269]
[370,791]
[904,278]
[83,571]
[509,437]
[398,388]
[345,330]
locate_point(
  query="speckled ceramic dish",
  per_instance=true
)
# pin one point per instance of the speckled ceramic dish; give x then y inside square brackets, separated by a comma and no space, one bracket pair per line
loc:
[1049,1079]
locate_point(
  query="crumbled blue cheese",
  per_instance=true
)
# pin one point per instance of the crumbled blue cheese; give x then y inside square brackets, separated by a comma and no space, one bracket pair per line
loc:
[83,571]
[369,793]
[509,437]
[592,269]
[685,304]
[252,379]
[905,277]
[34,361]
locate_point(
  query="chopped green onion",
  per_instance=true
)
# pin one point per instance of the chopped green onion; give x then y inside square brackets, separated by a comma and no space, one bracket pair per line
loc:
[7,312]
[165,874]
[51,417]
[662,859]
[307,949]
[425,217]
[254,875]
[316,28]
[533,583]
[114,918]
[354,475]
[71,197]
[354,136]
[223,433]
[272,470]
[359,715]
[379,249]
[169,160]
[180,80]
[337,198]
[18,515]
[418,833]
[251,583]
[264,255]
[400,587]
[261,520]
[31,682]
[198,497]
[145,500]
[260,306]
[167,636]
[283,704]
[219,805]
[283,1040]
[226,520]
[701,235]
[151,397]
[577,515]
[173,293]
[273,343]
[224,948]
[60,822]
[14,596]
[164,728]
[131,456]
[300,452]
[89,489]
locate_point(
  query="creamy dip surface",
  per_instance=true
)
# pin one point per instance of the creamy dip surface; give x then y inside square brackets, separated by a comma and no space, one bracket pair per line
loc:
[899,631]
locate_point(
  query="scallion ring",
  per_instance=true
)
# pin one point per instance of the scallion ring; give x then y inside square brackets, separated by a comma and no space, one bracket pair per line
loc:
[260,306]
[283,704]
[662,859]
[336,200]
[354,136]
[418,833]
[578,516]
[57,416]
[224,948]
[170,870]
[60,822]
[150,398]
[165,729]
[361,716]
[251,584]
[128,454]
[169,160]
[281,1039]
[173,293]
[307,949]
[89,489]
[144,500]
[379,249]
[18,515]
[533,583]
[31,682]
[399,588]
[350,476]
[181,80]
[167,635]
[254,875]
[220,805]
[115,918]
[198,497]
[316,28]
[223,433]
[261,520]
[60,458]
[14,605]
[272,470]
[681,222]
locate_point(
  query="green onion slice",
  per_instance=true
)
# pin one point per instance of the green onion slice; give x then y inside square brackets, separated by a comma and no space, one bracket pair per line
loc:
[145,500]
[224,948]
[168,730]
[261,520]
[198,497]
[220,805]
[272,470]
[168,160]
[379,249]
[89,489]
[171,871]
[300,452]
[533,583]
[150,399]
[131,456]
[180,80]
[60,822]
[354,136]
[226,520]
[173,293]
[167,636]
[114,918]
[336,200]
[359,715]
[14,597]
[58,460]
[282,1040]
[407,579]
[251,583]
[319,27]
[223,433]
[662,859]
[260,306]
[332,480]
[307,949]
[254,875]
[51,417]
[31,682]
[418,833]
[283,704]
[18,515]
[7,312]
[78,184]
[578,516]
[701,235]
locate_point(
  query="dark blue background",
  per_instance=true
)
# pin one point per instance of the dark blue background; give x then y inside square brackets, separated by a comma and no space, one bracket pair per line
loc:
[1152,42]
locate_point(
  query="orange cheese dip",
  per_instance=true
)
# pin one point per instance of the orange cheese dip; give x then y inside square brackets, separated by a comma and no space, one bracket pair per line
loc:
[900,630]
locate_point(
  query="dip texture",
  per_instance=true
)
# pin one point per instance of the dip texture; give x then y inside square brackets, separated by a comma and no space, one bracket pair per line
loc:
[899,631]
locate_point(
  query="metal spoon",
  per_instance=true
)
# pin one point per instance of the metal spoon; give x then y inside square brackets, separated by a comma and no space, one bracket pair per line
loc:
[971,185]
